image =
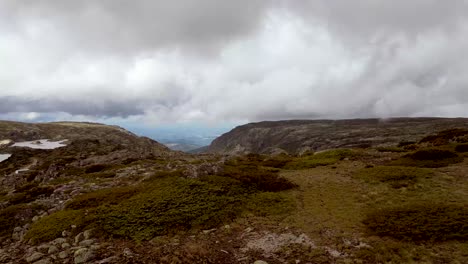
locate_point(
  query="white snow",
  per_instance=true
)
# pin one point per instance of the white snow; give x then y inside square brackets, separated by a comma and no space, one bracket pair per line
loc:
[41,144]
[4,157]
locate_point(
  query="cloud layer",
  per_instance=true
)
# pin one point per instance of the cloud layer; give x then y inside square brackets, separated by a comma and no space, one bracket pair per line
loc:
[222,61]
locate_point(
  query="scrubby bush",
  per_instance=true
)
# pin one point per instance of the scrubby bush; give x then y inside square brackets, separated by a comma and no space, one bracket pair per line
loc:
[445,137]
[51,227]
[432,154]
[96,168]
[321,159]
[102,197]
[461,148]
[29,192]
[279,161]
[396,176]
[390,149]
[16,215]
[420,222]
[170,204]
[258,178]
[429,158]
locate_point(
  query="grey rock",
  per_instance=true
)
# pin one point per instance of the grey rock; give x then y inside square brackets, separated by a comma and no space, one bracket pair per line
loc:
[52,250]
[43,261]
[63,255]
[66,245]
[60,241]
[34,257]
[83,255]
[260,262]
[65,233]
[87,243]
[112,259]
[127,252]
[88,234]
[79,238]
[44,248]
[17,229]
[35,218]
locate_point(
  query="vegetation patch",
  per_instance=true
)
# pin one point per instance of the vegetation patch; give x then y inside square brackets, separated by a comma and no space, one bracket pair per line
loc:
[170,204]
[270,203]
[258,178]
[462,148]
[396,176]
[51,227]
[321,159]
[421,222]
[390,149]
[447,136]
[29,192]
[98,198]
[16,215]
[429,158]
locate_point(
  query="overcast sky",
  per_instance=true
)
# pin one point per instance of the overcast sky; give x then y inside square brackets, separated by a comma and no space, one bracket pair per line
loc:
[211,61]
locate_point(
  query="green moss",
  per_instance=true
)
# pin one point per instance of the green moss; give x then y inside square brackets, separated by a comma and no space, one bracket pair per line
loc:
[51,227]
[396,176]
[321,159]
[420,221]
[270,203]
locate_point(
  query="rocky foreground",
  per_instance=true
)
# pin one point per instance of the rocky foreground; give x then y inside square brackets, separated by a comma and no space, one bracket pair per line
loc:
[108,196]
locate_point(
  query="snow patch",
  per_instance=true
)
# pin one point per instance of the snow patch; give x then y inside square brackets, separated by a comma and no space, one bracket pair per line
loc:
[4,157]
[41,144]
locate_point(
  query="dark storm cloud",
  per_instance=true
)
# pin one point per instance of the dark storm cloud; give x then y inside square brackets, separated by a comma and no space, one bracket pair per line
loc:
[132,26]
[74,107]
[215,60]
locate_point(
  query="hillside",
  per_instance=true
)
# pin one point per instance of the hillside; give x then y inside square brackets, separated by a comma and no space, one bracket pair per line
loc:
[298,136]
[107,196]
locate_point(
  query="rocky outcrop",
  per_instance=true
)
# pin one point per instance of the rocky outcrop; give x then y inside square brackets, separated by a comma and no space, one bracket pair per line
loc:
[297,136]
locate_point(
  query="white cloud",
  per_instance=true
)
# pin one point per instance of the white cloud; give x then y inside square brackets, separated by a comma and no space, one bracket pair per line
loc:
[229,62]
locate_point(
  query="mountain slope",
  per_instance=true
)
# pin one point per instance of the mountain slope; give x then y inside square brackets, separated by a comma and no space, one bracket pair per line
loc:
[86,144]
[297,136]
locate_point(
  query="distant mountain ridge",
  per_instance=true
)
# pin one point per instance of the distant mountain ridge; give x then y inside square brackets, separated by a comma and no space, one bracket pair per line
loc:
[296,136]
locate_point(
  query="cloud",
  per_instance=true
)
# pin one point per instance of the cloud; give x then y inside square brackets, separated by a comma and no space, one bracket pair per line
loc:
[213,61]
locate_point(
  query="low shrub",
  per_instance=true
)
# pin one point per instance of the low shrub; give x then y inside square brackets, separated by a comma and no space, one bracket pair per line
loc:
[396,176]
[50,227]
[321,159]
[390,149]
[432,154]
[446,136]
[462,148]
[429,158]
[16,215]
[94,199]
[96,168]
[30,192]
[170,204]
[420,222]
[279,161]
[258,178]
